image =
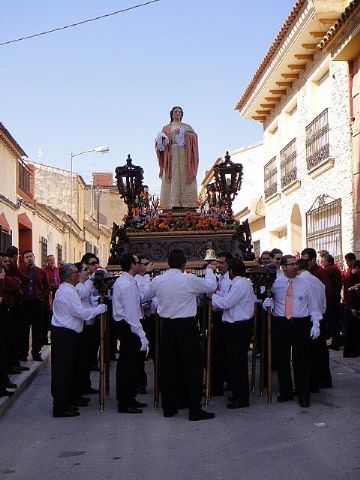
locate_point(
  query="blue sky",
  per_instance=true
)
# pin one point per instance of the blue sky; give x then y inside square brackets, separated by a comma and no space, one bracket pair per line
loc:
[113,82]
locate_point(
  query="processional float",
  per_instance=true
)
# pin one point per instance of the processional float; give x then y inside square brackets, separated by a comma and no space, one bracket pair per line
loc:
[200,233]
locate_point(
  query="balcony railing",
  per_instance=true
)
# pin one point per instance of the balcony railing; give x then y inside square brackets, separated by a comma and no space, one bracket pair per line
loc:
[270,178]
[288,164]
[24,179]
[317,140]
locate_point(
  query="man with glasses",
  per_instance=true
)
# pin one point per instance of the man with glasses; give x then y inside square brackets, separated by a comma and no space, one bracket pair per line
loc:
[275,259]
[296,322]
[127,313]
[69,315]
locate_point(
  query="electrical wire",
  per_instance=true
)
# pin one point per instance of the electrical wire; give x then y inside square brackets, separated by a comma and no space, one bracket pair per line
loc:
[78,23]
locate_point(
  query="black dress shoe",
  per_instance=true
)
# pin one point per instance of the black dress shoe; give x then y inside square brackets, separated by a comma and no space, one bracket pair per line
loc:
[285,397]
[15,371]
[138,404]
[5,393]
[201,415]
[10,385]
[170,413]
[23,369]
[91,391]
[65,413]
[237,404]
[304,401]
[37,358]
[81,402]
[130,409]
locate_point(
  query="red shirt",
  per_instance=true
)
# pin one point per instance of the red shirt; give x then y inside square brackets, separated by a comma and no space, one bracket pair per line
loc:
[336,281]
[324,277]
[40,287]
[53,277]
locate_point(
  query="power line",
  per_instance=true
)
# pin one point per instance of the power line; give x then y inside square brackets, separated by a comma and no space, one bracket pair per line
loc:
[78,23]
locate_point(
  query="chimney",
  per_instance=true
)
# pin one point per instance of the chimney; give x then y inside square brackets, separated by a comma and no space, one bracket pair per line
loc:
[102,179]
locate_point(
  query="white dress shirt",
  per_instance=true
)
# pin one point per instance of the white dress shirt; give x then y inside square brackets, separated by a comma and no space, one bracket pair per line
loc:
[126,303]
[317,289]
[304,302]
[68,310]
[176,292]
[238,302]
[143,282]
[85,291]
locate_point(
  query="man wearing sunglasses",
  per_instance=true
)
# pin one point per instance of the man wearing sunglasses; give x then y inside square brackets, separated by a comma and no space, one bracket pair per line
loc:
[296,322]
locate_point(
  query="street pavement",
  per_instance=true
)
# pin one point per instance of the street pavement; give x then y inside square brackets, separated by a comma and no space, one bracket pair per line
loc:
[272,442]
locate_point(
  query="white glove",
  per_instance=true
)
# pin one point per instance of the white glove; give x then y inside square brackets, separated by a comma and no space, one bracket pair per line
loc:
[94,300]
[144,344]
[315,330]
[268,302]
[101,309]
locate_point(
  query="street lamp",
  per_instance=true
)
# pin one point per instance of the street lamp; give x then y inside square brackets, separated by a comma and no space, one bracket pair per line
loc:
[228,176]
[101,149]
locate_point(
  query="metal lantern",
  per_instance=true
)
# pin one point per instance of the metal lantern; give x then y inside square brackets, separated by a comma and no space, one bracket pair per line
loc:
[227,179]
[129,182]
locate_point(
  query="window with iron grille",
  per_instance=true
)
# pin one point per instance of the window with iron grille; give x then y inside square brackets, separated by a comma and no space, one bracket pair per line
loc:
[270,178]
[5,239]
[288,164]
[257,248]
[43,242]
[323,226]
[59,254]
[317,140]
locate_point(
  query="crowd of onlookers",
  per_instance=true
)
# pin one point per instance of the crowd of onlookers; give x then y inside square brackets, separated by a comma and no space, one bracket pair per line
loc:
[341,321]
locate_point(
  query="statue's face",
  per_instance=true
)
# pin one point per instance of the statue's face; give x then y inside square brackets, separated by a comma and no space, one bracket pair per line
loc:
[177,114]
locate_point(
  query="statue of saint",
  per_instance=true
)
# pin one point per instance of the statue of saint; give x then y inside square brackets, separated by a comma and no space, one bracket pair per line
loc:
[177,152]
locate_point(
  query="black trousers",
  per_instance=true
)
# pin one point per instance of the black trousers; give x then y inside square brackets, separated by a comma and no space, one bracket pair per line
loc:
[5,335]
[141,380]
[127,364]
[180,361]
[320,363]
[293,333]
[352,334]
[64,351]
[237,343]
[32,316]
[218,362]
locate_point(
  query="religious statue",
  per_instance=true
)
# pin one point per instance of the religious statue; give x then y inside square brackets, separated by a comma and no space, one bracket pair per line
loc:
[177,152]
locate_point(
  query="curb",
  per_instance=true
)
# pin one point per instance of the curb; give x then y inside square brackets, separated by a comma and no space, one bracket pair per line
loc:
[25,379]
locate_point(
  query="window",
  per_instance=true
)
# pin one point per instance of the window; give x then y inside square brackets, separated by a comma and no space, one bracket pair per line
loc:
[5,239]
[88,247]
[257,248]
[43,246]
[317,140]
[24,178]
[288,164]
[323,226]
[59,254]
[270,178]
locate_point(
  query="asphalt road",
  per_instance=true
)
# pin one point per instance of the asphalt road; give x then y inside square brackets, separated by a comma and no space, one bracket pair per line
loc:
[272,442]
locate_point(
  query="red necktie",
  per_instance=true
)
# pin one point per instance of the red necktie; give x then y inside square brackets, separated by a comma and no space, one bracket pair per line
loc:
[288,301]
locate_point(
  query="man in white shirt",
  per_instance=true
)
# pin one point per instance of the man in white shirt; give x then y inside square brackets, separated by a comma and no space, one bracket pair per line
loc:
[180,353]
[296,322]
[127,314]
[69,315]
[238,309]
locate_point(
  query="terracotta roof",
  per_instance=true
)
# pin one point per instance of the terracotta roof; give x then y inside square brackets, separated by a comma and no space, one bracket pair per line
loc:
[275,45]
[355,4]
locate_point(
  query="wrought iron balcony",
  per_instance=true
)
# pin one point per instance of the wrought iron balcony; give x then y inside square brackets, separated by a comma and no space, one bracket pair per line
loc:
[24,178]
[270,178]
[317,140]
[288,164]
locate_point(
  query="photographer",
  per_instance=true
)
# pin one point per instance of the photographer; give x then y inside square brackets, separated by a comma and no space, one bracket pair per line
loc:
[69,315]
